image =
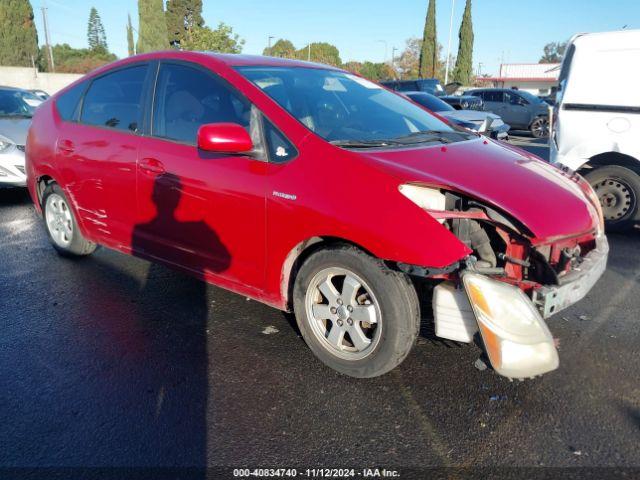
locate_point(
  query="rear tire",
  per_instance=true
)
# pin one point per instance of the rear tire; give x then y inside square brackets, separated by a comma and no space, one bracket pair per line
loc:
[357,316]
[61,224]
[618,190]
[540,127]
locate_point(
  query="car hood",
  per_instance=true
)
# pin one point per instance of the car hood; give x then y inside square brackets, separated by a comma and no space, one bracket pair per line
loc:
[544,199]
[469,115]
[15,129]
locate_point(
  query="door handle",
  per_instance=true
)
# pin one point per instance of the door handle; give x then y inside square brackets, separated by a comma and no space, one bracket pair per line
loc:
[151,165]
[66,146]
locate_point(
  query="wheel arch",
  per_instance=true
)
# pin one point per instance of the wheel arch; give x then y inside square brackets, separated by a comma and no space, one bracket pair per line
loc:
[41,184]
[297,257]
[610,158]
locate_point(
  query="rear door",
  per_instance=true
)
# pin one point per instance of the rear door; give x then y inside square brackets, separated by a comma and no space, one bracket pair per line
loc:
[97,155]
[494,102]
[199,210]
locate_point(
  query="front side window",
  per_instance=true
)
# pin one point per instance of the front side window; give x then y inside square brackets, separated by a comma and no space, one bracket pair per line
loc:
[114,100]
[344,109]
[187,97]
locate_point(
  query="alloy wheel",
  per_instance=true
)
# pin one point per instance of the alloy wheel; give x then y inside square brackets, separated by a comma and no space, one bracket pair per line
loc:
[59,220]
[540,128]
[343,312]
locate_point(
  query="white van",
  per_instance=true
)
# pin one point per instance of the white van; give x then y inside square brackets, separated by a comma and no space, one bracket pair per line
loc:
[596,120]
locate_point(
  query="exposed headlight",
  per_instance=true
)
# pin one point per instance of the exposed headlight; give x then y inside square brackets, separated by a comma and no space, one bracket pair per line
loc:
[426,198]
[517,340]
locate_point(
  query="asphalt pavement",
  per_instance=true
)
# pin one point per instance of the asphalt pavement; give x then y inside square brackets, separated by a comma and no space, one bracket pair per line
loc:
[110,361]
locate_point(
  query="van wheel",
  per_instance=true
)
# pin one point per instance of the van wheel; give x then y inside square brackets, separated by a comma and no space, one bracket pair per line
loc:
[61,225]
[540,127]
[618,189]
[357,316]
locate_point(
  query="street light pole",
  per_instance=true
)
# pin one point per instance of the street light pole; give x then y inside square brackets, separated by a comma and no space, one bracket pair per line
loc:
[446,70]
[269,42]
[393,61]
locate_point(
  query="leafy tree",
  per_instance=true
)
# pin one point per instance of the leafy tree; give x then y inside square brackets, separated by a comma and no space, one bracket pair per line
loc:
[321,52]
[96,35]
[221,40]
[463,72]
[131,46]
[553,52]
[282,48]
[152,32]
[18,36]
[429,52]
[409,61]
[182,17]
[376,71]
[77,60]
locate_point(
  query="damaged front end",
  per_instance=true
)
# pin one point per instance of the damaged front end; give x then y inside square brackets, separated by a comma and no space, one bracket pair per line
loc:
[509,285]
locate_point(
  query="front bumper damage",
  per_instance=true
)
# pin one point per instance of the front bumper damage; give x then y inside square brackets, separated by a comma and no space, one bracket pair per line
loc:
[530,350]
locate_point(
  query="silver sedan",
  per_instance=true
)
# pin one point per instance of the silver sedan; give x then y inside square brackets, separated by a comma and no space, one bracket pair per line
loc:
[15,119]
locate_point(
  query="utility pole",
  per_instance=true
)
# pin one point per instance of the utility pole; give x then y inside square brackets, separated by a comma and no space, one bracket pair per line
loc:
[270,38]
[393,61]
[46,38]
[309,53]
[446,70]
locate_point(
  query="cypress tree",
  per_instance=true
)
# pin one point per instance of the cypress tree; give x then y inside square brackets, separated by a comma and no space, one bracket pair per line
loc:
[182,17]
[152,32]
[18,36]
[463,71]
[429,51]
[130,43]
[95,32]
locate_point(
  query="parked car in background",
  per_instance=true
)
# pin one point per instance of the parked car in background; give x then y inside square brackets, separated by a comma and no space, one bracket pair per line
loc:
[27,96]
[596,131]
[434,87]
[40,93]
[478,121]
[429,85]
[463,102]
[15,119]
[182,157]
[522,110]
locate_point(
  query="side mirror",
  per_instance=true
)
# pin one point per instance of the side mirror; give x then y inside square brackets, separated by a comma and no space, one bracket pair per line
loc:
[224,138]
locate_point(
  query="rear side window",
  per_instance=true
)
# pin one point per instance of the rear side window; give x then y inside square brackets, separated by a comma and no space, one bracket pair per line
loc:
[67,103]
[187,97]
[492,96]
[115,100]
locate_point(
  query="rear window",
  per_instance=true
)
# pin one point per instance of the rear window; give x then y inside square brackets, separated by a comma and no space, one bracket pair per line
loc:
[115,100]
[67,103]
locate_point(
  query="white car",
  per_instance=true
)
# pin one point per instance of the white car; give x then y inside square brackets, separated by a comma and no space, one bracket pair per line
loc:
[15,119]
[596,126]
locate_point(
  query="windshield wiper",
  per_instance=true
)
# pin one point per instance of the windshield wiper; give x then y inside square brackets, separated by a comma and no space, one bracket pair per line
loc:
[363,143]
[430,135]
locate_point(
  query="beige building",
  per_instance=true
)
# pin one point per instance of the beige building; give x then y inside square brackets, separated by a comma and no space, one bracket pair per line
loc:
[536,78]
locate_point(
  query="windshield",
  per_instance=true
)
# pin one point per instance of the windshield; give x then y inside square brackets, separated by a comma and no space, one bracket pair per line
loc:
[12,104]
[348,110]
[429,101]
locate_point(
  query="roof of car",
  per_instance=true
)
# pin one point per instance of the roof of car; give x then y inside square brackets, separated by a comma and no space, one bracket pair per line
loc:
[238,60]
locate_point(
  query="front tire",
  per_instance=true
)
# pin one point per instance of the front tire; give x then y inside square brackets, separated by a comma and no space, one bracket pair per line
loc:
[618,190]
[61,224]
[357,316]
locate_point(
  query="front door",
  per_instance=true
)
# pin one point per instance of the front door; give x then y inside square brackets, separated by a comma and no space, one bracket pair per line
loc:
[199,210]
[516,110]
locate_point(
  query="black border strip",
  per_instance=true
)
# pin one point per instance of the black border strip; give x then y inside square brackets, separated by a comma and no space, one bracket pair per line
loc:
[601,108]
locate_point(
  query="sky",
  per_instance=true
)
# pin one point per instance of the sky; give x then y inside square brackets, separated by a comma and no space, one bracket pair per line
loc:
[509,32]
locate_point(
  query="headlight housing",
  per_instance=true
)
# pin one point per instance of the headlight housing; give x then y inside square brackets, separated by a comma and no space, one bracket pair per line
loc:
[516,338]
[5,144]
[429,199]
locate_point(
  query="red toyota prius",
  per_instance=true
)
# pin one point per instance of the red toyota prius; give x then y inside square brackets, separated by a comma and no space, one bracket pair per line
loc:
[314,190]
